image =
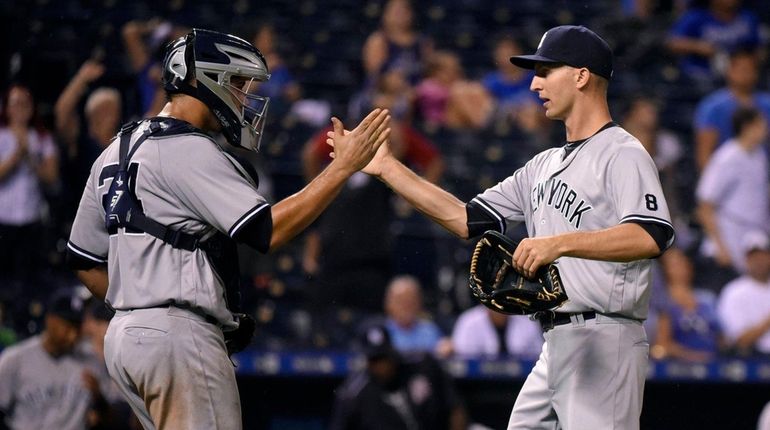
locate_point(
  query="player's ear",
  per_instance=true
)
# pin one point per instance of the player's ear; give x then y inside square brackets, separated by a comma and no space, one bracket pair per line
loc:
[582,77]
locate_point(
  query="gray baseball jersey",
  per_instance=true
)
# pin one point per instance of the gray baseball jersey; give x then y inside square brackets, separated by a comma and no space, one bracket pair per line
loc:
[39,391]
[185,181]
[608,180]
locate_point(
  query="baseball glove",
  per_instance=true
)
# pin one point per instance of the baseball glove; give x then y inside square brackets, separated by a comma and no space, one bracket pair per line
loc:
[237,340]
[497,285]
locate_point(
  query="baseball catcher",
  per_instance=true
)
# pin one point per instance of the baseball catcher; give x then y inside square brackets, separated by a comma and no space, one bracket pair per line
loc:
[499,287]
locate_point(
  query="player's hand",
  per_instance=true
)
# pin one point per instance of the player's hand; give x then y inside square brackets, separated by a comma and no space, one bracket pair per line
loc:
[377,163]
[534,252]
[375,166]
[357,147]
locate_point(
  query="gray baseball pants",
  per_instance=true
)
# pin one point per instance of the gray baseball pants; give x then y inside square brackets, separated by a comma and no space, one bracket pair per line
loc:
[173,369]
[590,375]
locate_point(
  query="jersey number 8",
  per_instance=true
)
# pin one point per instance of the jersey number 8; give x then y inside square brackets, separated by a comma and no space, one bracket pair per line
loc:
[652,202]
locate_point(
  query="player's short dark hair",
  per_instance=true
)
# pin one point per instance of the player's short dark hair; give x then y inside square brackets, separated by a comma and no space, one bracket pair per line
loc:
[744,116]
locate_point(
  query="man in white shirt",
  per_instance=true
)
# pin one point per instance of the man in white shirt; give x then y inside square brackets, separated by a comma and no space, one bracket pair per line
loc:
[744,304]
[732,193]
[480,331]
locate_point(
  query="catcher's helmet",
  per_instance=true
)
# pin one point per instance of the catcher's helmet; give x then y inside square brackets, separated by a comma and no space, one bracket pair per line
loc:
[225,68]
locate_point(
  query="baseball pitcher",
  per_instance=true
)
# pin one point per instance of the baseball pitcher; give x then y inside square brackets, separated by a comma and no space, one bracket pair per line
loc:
[594,209]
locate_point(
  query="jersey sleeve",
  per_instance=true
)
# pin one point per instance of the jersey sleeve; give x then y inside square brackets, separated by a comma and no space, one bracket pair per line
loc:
[213,187]
[89,241]
[636,191]
[503,202]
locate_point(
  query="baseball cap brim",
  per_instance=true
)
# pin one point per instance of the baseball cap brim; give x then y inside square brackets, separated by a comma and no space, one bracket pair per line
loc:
[529,61]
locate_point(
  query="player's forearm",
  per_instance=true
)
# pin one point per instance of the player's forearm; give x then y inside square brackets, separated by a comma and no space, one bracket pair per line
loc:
[294,213]
[621,243]
[434,171]
[96,280]
[437,204]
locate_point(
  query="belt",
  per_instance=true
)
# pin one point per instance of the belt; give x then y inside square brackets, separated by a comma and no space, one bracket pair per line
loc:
[550,319]
[209,319]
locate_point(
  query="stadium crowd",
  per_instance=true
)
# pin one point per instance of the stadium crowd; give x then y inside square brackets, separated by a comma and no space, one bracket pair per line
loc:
[691,82]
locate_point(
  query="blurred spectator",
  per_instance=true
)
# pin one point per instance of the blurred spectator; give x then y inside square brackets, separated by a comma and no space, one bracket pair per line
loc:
[636,36]
[688,328]
[733,192]
[480,331]
[713,115]
[406,322]
[48,381]
[83,137]
[29,162]
[445,98]
[282,87]
[704,36]
[350,245]
[396,391]
[145,42]
[390,90]
[509,85]
[397,46]
[744,304]
[641,120]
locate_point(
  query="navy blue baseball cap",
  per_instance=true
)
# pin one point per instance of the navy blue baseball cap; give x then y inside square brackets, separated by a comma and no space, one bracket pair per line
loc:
[375,342]
[67,305]
[574,46]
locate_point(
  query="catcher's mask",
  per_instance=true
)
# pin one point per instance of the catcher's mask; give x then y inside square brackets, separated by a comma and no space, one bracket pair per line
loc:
[226,70]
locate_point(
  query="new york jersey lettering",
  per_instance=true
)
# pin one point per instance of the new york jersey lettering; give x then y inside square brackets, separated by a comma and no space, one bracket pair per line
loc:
[560,196]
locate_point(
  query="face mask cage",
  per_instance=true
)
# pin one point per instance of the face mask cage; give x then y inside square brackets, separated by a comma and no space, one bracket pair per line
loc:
[253,108]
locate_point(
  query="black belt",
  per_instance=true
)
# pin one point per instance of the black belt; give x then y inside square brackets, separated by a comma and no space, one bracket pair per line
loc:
[550,319]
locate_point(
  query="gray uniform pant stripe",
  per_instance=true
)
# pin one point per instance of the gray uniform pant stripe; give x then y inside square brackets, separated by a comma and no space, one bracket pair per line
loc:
[173,368]
[590,375]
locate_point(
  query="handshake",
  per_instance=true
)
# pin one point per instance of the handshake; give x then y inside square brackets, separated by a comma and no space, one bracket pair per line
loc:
[363,147]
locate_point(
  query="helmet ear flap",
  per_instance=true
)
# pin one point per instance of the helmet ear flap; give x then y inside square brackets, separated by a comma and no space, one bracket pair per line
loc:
[189,55]
[179,64]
